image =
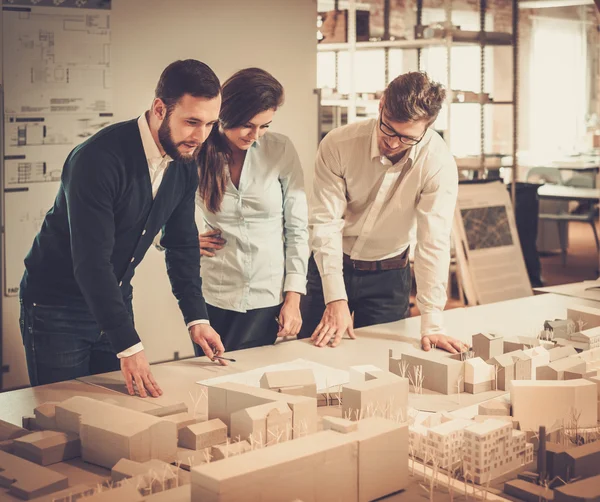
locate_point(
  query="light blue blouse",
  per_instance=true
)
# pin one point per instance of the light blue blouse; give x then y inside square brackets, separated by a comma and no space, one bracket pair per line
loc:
[265,224]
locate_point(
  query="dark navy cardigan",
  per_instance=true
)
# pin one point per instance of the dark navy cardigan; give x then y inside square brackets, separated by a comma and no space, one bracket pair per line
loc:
[101,225]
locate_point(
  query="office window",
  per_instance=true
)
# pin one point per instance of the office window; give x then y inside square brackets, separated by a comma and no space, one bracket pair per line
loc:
[558,86]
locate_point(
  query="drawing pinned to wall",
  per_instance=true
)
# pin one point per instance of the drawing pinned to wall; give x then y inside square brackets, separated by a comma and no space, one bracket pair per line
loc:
[57,93]
[59,60]
[22,172]
[51,130]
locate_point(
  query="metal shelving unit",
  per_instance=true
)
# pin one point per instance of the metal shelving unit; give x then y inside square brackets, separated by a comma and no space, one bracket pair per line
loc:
[448,38]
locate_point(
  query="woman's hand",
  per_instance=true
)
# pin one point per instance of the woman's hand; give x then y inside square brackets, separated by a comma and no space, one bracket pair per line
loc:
[210,242]
[290,319]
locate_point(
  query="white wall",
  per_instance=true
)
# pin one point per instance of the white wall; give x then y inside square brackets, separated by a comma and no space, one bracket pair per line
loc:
[147,35]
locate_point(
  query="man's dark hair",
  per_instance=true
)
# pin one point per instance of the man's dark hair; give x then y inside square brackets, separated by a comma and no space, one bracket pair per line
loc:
[187,76]
[413,97]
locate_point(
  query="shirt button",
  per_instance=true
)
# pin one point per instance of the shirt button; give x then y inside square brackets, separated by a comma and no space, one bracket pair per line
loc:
[144,232]
[133,259]
[121,283]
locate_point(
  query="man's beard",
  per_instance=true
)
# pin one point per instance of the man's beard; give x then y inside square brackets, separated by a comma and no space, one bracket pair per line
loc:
[169,146]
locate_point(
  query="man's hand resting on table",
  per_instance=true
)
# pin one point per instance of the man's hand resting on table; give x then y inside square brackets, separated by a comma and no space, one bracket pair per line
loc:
[136,370]
[336,321]
[209,341]
[444,342]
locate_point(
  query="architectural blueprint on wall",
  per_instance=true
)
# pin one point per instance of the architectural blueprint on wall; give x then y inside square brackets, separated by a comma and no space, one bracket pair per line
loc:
[57,93]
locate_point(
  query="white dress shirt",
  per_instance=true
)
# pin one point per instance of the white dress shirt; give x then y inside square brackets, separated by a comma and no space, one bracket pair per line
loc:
[265,224]
[157,165]
[365,207]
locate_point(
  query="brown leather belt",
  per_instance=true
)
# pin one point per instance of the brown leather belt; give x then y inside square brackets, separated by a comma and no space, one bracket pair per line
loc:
[394,263]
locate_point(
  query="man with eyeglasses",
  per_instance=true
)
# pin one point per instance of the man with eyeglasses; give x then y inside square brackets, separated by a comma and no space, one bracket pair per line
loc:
[373,181]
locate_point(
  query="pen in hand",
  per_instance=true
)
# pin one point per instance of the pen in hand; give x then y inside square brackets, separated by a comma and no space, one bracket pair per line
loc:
[223,358]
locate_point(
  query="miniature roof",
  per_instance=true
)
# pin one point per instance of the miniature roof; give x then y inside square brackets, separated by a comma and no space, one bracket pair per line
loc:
[590,332]
[561,351]
[558,322]
[503,360]
[453,425]
[477,361]
[519,354]
[262,410]
[489,336]
[483,428]
[584,450]
[566,363]
[288,378]
[586,489]
[555,384]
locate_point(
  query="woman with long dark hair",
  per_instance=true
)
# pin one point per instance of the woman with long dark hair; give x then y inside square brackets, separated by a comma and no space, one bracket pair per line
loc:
[252,199]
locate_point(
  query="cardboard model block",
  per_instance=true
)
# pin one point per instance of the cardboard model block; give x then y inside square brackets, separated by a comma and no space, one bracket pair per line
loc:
[48,447]
[523,365]
[482,418]
[574,375]
[165,411]
[318,467]
[203,435]
[382,457]
[127,492]
[181,420]
[556,370]
[586,490]
[296,382]
[520,343]
[265,424]
[487,345]
[560,352]
[529,492]
[382,394]
[221,451]
[45,416]
[479,376]
[539,357]
[109,433]
[440,373]
[27,480]
[179,494]
[584,460]
[337,424]
[494,407]
[589,317]
[504,367]
[551,403]
[11,431]
[155,475]
[29,423]
[72,493]
[556,460]
[227,398]
[561,328]
[7,445]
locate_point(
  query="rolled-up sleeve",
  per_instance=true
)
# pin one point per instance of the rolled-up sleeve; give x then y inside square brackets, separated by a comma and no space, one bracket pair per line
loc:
[295,221]
[435,212]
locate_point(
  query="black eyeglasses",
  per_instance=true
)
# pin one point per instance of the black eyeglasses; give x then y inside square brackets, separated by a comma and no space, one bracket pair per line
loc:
[391,133]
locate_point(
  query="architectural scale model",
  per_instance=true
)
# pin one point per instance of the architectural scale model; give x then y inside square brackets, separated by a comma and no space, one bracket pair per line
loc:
[369,444]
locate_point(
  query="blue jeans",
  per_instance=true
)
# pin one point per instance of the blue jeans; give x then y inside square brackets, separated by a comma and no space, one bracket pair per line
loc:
[63,342]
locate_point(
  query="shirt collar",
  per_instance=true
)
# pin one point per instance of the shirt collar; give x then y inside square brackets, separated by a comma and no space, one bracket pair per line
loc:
[376,154]
[150,147]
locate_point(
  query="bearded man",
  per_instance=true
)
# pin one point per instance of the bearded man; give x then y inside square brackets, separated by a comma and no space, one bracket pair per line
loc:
[118,190]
